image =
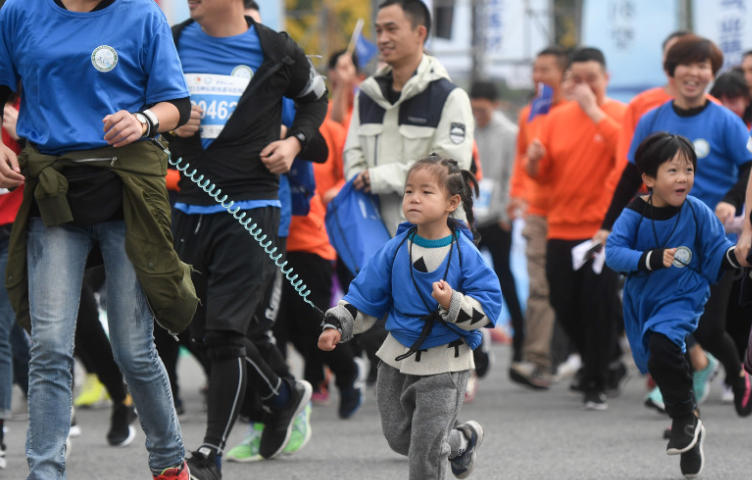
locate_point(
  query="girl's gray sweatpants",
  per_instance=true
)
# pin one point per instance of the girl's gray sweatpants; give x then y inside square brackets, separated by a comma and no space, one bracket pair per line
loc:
[418,414]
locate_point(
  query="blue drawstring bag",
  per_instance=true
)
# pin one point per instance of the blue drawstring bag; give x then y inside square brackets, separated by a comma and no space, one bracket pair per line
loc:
[354,225]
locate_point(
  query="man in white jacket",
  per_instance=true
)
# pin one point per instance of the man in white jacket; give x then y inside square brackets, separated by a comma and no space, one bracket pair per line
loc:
[406,111]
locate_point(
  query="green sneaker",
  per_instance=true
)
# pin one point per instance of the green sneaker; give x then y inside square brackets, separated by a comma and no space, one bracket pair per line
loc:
[248,450]
[301,431]
[655,400]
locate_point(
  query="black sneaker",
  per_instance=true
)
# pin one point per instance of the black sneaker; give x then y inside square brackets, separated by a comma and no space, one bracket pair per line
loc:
[278,421]
[594,400]
[203,466]
[684,433]
[464,463]
[353,395]
[617,380]
[693,459]
[121,431]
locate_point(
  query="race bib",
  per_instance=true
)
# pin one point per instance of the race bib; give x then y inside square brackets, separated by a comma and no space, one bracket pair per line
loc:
[217,95]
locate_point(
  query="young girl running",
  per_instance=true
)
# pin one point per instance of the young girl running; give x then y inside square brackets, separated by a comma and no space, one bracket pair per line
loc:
[671,247]
[437,291]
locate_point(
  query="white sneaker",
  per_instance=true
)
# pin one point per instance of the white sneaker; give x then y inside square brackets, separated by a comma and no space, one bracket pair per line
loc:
[569,368]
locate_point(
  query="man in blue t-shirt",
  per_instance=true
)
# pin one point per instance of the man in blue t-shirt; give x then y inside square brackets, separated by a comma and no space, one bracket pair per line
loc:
[238,72]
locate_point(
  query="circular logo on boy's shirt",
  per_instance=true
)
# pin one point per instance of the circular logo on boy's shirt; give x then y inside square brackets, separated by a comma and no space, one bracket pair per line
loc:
[104,58]
[682,257]
[242,71]
[702,147]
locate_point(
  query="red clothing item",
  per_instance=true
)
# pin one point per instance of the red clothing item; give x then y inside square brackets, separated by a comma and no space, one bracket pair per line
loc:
[10,201]
[522,185]
[580,158]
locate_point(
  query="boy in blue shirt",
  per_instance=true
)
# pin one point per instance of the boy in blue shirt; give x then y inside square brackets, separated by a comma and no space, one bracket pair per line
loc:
[671,247]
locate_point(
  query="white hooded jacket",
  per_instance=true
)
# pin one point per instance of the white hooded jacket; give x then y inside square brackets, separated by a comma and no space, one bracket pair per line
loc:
[432,115]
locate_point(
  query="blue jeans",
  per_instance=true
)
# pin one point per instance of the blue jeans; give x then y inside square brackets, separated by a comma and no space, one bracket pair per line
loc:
[56,258]
[7,320]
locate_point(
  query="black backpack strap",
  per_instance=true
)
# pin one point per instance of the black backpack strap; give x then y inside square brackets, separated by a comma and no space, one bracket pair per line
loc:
[177,30]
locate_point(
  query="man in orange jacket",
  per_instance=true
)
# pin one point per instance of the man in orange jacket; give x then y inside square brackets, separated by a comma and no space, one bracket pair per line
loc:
[573,157]
[529,198]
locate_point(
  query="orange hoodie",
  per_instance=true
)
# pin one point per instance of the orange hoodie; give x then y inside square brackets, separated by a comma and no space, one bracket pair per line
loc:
[522,186]
[580,158]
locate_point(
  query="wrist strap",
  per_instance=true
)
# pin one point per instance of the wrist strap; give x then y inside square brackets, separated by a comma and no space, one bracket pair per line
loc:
[153,121]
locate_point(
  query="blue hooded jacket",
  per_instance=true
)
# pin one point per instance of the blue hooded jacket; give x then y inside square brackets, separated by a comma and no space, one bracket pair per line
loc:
[385,286]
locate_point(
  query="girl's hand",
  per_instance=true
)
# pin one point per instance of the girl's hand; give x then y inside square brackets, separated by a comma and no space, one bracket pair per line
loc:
[329,339]
[442,293]
[668,257]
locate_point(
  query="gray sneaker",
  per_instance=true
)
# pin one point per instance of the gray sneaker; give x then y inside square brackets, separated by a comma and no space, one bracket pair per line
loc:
[464,463]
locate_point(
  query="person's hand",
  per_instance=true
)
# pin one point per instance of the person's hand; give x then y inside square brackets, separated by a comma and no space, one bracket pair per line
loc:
[516,208]
[601,236]
[535,151]
[743,244]
[363,182]
[442,293]
[193,125]
[668,257]
[329,195]
[346,71]
[10,119]
[725,211]
[585,97]
[278,156]
[122,128]
[329,339]
[10,173]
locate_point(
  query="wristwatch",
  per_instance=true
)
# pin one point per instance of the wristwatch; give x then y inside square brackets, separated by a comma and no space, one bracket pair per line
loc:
[301,138]
[153,122]
[144,123]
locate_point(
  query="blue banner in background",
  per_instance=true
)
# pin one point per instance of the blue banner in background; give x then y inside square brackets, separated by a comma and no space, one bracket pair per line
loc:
[630,34]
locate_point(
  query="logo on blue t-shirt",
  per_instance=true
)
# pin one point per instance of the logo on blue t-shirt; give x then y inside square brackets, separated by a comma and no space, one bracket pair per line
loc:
[682,257]
[104,58]
[242,71]
[702,147]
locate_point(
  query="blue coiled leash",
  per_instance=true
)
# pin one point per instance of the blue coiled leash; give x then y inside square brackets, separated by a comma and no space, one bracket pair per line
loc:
[256,232]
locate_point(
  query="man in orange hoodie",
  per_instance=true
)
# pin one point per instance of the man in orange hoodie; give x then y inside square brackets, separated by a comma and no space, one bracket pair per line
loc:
[573,157]
[529,198]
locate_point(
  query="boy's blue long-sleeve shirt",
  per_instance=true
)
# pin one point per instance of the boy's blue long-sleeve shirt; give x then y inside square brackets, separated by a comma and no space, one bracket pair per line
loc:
[385,286]
[669,300]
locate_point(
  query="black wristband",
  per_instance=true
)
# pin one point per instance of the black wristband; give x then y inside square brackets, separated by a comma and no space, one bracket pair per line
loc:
[656,259]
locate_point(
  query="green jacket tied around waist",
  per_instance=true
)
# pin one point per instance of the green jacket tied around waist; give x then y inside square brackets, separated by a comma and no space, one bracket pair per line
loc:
[142,167]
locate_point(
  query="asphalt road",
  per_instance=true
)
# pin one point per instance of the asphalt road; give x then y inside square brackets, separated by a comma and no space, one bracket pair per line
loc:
[529,435]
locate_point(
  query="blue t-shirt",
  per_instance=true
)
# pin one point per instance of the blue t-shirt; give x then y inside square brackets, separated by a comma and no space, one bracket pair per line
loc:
[78,67]
[217,71]
[720,139]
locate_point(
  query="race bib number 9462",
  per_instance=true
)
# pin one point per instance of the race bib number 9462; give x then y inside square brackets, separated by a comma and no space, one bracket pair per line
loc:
[217,95]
